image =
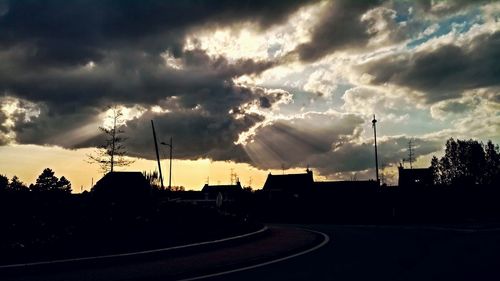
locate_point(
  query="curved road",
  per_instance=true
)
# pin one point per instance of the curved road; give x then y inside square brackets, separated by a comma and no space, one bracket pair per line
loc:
[353,253]
[390,253]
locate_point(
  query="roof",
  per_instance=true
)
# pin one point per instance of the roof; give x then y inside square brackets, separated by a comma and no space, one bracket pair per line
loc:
[222,188]
[122,184]
[289,181]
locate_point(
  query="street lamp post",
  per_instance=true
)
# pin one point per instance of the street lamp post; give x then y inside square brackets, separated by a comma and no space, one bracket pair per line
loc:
[170,145]
[374,125]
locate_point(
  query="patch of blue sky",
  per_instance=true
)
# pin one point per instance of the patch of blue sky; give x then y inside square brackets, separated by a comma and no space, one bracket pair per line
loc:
[460,23]
[274,50]
[418,123]
[403,11]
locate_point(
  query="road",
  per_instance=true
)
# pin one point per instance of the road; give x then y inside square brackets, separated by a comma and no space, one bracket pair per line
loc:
[353,253]
[390,253]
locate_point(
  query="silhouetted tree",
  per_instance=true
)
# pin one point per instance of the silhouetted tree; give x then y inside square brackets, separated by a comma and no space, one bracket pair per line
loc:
[435,170]
[492,153]
[466,162]
[47,181]
[64,185]
[4,182]
[153,179]
[112,152]
[17,185]
[177,188]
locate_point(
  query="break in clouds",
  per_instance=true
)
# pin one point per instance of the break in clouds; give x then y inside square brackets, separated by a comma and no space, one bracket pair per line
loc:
[429,65]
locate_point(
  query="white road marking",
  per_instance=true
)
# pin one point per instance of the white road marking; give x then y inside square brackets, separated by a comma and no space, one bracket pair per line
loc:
[20,265]
[325,241]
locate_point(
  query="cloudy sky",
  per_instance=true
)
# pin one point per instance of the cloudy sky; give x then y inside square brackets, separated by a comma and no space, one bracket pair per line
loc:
[253,86]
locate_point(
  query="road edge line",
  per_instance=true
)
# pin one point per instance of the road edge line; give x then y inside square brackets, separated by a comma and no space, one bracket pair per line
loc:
[326,239]
[138,253]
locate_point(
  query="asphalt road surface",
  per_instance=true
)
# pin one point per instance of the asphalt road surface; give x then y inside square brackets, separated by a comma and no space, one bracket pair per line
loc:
[390,253]
[353,253]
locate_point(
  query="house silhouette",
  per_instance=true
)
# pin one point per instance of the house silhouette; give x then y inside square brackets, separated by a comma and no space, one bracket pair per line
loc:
[122,186]
[415,177]
[289,182]
[228,192]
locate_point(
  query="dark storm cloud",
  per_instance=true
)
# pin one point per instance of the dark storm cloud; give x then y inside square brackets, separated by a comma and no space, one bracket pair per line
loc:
[3,129]
[444,72]
[327,143]
[352,157]
[340,27]
[442,8]
[199,97]
[3,118]
[64,33]
[73,58]
[130,77]
[44,43]
[293,142]
[195,135]
[349,25]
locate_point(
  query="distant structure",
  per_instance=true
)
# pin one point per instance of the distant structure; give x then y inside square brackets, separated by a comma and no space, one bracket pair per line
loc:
[122,186]
[411,156]
[415,177]
[226,192]
[374,125]
[292,184]
[295,185]
[362,186]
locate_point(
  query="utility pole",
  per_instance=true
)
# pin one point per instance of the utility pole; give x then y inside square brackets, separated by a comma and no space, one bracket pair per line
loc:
[170,145]
[157,154]
[374,125]
[170,174]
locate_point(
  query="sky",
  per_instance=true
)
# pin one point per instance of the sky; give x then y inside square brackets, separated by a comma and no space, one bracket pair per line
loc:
[246,87]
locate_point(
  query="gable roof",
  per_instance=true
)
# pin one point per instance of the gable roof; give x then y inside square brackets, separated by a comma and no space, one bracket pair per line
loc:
[122,183]
[289,181]
[222,188]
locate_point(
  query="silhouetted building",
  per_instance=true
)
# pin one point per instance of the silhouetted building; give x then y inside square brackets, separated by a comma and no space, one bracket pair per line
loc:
[415,177]
[289,185]
[289,182]
[228,192]
[122,185]
[362,186]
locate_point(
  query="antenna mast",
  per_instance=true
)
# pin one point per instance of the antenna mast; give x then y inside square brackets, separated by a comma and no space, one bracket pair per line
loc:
[410,154]
[374,125]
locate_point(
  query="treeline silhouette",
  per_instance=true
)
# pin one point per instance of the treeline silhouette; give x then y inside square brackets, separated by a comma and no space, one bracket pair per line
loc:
[467,163]
[46,182]
[45,221]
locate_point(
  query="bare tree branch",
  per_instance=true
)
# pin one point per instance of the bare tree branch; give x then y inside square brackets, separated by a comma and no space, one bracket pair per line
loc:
[112,153]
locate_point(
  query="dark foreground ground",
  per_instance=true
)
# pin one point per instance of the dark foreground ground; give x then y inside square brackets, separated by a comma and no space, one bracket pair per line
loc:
[402,252]
[391,253]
